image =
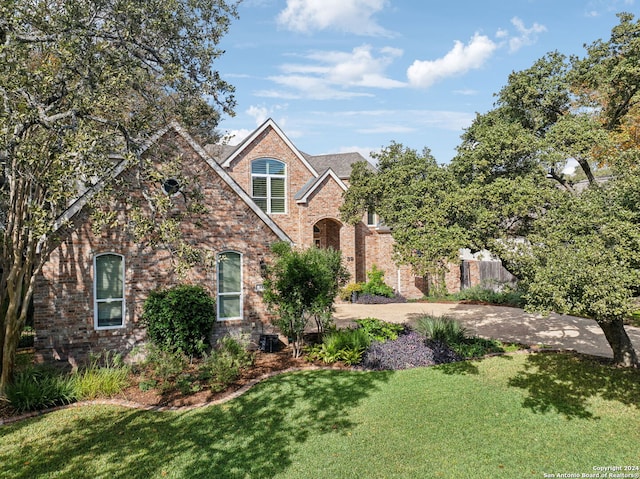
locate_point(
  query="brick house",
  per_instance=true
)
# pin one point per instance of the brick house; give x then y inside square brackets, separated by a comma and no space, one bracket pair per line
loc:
[303,193]
[90,293]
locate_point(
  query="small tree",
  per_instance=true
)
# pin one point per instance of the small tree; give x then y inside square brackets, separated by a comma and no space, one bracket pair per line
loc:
[300,286]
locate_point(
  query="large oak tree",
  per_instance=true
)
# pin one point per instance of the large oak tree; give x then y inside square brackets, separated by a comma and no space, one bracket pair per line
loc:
[575,247]
[79,81]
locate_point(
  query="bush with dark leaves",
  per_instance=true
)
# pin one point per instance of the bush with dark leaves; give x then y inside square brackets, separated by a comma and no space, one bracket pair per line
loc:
[410,350]
[375,299]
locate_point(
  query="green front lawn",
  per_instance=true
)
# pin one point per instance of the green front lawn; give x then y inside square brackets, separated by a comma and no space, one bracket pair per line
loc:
[510,416]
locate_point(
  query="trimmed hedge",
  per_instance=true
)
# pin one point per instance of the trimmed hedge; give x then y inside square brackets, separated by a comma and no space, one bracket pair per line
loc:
[180,319]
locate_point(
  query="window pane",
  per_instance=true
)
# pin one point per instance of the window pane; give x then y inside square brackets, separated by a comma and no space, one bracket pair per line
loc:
[277,187]
[229,306]
[110,314]
[262,203]
[109,277]
[259,167]
[276,167]
[229,273]
[259,187]
[277,205]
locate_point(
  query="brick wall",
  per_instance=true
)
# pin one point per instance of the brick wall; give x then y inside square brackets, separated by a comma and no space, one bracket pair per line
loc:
[271,145]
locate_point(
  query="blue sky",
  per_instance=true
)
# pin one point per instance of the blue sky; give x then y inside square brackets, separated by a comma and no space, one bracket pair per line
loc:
[354,75]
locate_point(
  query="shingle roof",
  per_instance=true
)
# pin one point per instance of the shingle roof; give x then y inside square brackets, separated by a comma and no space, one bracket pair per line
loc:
[313,183]
[340,163]
[220,152]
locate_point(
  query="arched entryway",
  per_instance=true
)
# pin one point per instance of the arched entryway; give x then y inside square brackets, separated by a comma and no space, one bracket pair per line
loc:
[326,233]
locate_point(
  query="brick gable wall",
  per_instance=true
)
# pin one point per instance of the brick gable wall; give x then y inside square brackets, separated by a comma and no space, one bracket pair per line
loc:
[271,145]
[63,303]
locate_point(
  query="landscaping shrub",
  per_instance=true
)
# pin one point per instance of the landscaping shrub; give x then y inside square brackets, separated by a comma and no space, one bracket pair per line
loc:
[346,345]
[378,330]
[224,364]
[486,295]
[446,330]
[346,293]
[40,387]
[375,286]
[301,285]
[180,319]
[408,351]
[163,365]
[105,376]
[440,328]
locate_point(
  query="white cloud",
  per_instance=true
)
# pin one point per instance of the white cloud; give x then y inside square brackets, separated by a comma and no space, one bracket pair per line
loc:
[527,36]
[596,8]
[234,137]
[460,59]
[300,86]
[466,92]
[350,16]
[331,74]
[387,129]
[502,33]
[258,113]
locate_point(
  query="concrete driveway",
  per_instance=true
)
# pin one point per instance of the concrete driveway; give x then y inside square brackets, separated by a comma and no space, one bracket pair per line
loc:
[498,322]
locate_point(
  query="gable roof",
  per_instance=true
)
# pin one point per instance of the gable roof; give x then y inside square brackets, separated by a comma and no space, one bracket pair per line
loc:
[122,165]
[269,123]
[313,184]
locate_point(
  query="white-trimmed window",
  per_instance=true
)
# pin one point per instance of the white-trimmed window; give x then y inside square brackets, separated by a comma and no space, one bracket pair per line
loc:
[108,291]
[268,180]
[229,273]
[372,218]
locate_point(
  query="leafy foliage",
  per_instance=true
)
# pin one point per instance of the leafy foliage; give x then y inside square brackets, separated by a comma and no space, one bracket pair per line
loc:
[160,367]
[375,285]
[224,364]
[346,345]
[180,318]
[408,351]
[39,388]
[478,293]
[105,376]
[574,248]
[302,285]
[410,192]
[80,81]
[445,330]
[346,293]
[172,370]
[440,328]
[379,330]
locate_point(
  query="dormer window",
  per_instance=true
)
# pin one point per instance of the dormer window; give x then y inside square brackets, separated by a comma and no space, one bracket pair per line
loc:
[268,178]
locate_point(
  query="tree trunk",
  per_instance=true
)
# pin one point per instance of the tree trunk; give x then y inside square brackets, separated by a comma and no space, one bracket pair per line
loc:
[11,336]
[624,354]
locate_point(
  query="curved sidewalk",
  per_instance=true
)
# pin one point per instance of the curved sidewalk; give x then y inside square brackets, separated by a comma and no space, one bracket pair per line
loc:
[498,322]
